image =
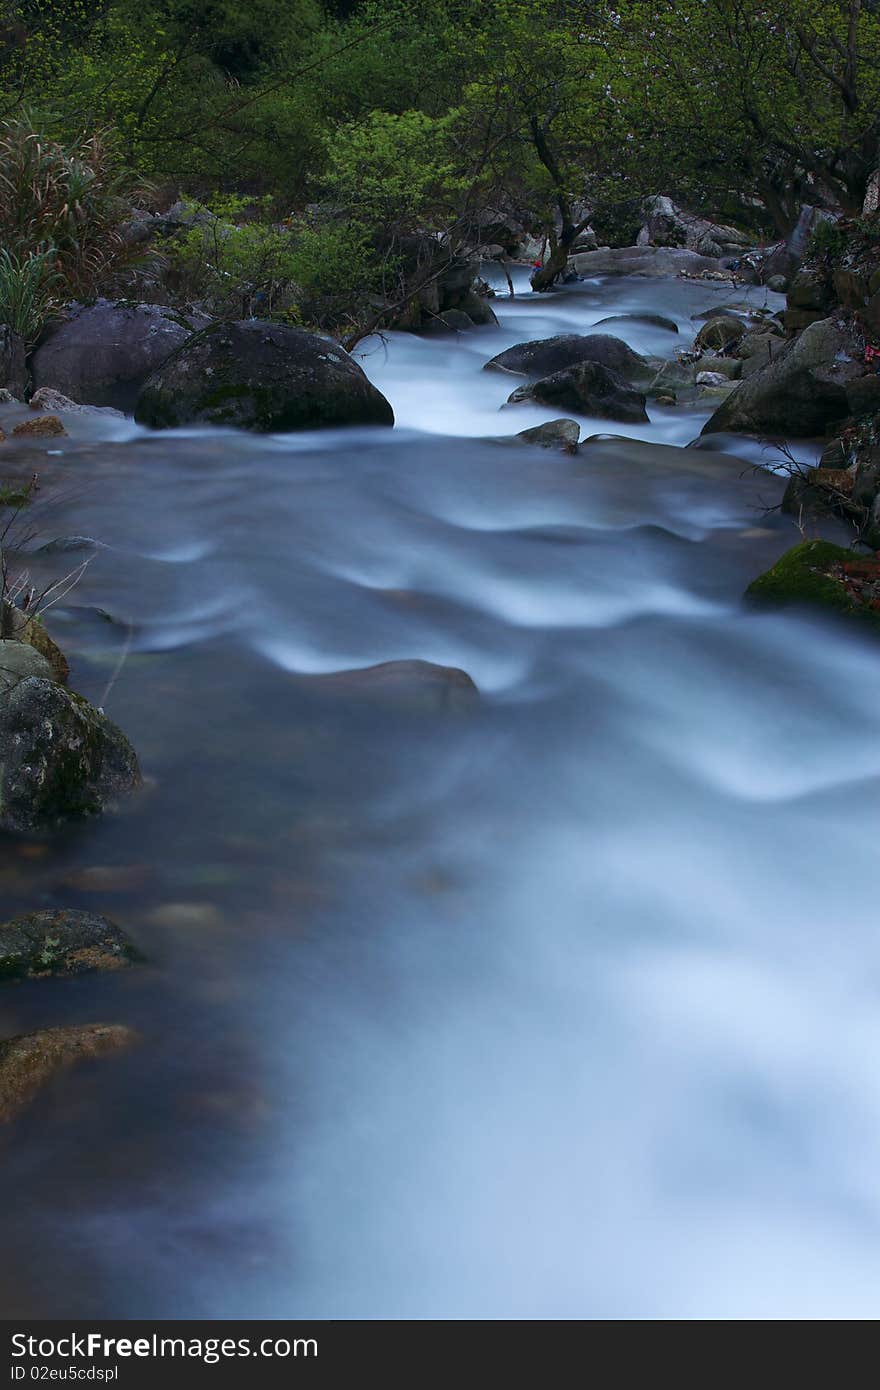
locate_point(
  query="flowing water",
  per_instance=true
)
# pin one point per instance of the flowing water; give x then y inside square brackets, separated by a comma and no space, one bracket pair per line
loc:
[565,1007]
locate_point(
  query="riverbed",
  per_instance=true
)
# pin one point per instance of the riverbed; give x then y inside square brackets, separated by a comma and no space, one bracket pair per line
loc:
[566,1006]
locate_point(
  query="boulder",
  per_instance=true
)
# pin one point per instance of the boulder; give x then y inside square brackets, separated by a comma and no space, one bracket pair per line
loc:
[24,627]
[664,226]
[810,290]
[863,394]
[555,434]
[662,261]
[31,1060]
[728,367]
[456,320]
[18,661]
[667,224]
[13,371]
[41,427]
[102,353]
[61,941]
[801,392]
[850,289]
[60,759]
[810,298]
[720,333]
[419,687]
[649,320]
[546,355]
[671,377]
[814,574]
[590,389]
[46,398]
[757,350]
[477,307]
[261,376]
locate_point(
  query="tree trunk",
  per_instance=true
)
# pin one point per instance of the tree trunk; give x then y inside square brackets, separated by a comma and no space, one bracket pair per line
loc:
[556,262]
[560,246]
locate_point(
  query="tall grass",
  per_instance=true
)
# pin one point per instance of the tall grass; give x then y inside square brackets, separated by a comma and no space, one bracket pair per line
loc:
[61,207]
[27,298]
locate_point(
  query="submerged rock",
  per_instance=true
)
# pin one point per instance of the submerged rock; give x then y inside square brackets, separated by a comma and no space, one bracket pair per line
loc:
[102,353]
[590,389]
[548,355]
[649,320]
[261,376]
[43,426]
[61,941]
[30,1060]
[60,759]
[555,434]
[417,686]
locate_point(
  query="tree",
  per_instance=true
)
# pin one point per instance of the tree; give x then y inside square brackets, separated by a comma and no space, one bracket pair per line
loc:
[776,97]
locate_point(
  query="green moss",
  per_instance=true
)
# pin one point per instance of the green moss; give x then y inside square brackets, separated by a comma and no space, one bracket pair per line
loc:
[14,497]
[800,576]
[223,394]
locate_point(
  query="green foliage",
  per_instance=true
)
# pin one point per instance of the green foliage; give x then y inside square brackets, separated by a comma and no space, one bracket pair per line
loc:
[390,170]
[60,211]
[196,89]
[827,242]
[236,268]
[341,276]
[27,298]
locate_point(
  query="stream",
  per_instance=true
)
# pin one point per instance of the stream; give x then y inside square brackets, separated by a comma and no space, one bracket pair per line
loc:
[565,1007]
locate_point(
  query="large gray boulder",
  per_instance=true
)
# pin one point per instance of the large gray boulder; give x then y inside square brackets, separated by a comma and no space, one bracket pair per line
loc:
[546,355]
[13,372]
[60,758]
[666,224]
[588,388]
[800,392]
[644,260]
[102,353]
[261,376]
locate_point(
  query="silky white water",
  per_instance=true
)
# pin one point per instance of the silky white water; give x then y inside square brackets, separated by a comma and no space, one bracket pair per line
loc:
[565,1008]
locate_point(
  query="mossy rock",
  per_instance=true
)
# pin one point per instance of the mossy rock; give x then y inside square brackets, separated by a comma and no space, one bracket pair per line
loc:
[260,376]
[30,1061]
[60,758]
[30,629]
[62,941]
[802,576]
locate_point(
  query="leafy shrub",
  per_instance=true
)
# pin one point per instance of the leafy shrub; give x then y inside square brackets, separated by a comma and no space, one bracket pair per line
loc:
[236,269]
[827,241]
